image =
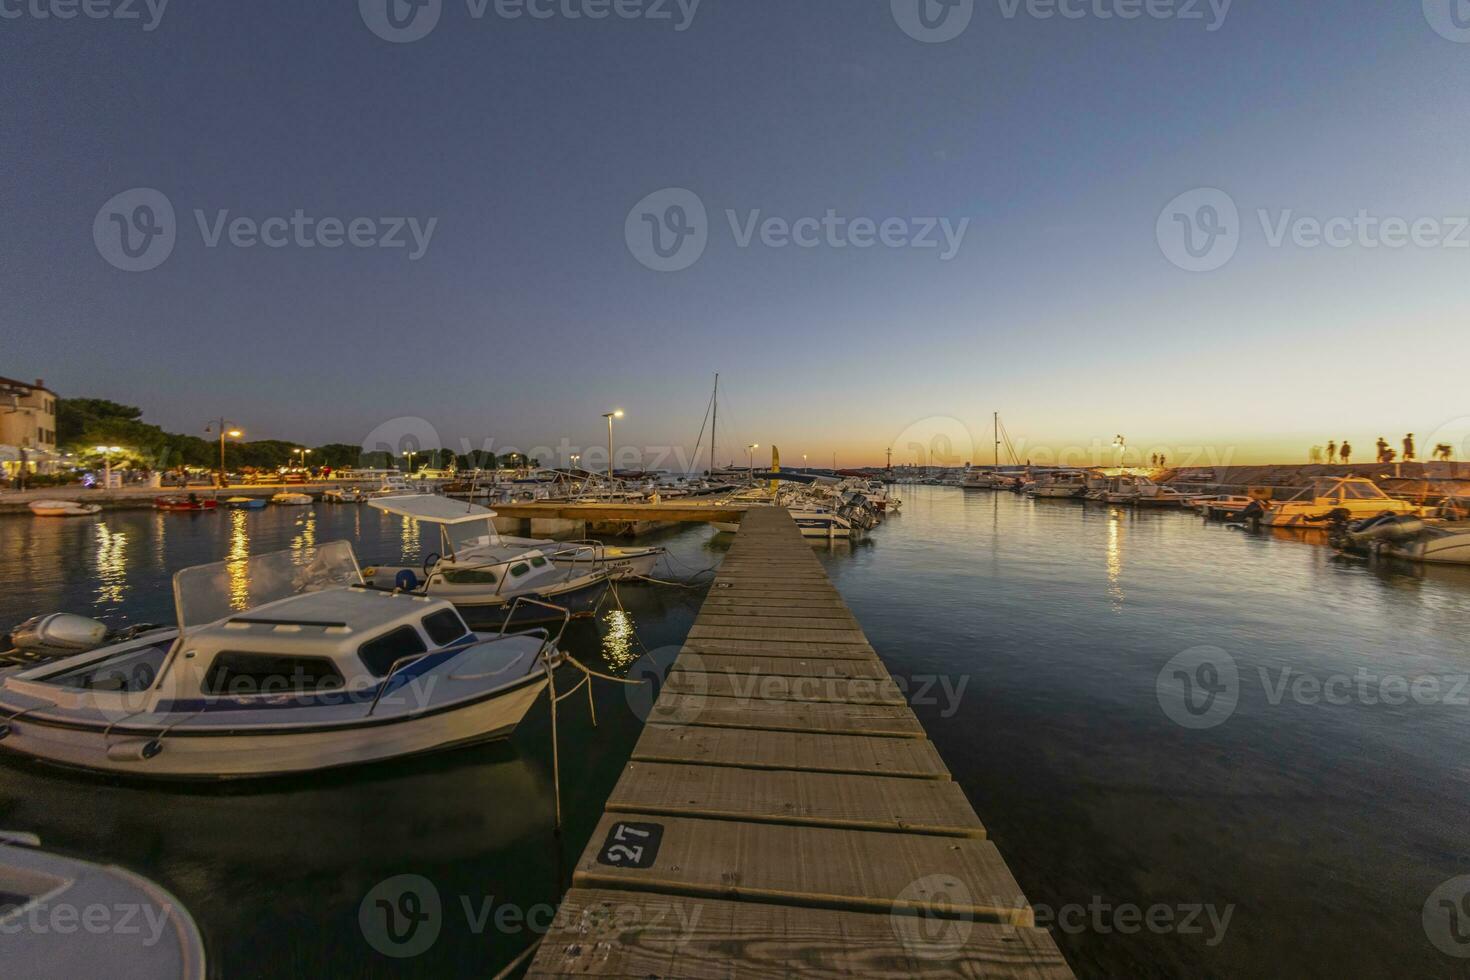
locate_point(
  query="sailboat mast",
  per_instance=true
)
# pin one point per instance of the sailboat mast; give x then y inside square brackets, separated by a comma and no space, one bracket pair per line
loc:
[997,440]
[713,423]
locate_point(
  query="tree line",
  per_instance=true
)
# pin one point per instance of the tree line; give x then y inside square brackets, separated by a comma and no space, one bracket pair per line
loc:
[83,424]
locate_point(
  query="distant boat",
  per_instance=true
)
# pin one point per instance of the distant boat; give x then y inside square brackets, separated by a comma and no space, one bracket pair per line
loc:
[63,508]
[287,498]
[246,503]
[185,504]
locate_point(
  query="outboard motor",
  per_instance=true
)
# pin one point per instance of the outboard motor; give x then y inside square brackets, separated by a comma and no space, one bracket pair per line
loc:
[58,635]
[1386,527]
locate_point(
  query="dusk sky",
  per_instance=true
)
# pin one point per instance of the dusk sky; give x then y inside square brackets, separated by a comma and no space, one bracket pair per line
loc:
[1048,147]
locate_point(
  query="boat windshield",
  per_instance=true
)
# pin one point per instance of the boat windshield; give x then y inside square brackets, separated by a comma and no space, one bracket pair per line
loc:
[467,536]
[208,593]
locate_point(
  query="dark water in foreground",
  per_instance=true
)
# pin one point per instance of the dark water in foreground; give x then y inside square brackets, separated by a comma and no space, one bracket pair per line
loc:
[1297,827]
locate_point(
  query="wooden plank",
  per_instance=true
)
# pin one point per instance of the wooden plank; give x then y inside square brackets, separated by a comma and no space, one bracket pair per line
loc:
[856,870]
[912,758]
[776,687]
[629,934]
[794,620]
[823,799]
[787,716]
[715,663]
[772,648]
[783,610]
[827,636]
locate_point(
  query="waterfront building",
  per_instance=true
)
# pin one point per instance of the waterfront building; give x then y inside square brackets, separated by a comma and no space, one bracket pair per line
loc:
[27,427]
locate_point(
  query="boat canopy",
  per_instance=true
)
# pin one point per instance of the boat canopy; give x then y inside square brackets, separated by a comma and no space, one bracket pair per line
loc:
[1345,488]
[432,509]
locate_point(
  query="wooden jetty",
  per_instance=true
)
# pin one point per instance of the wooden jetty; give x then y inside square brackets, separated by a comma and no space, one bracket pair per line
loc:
[784,814]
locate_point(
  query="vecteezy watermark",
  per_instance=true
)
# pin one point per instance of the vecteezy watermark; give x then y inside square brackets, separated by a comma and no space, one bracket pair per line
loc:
[149,13]
[1211,12]
[1449,18]
[1199,688]
[401,916]
[405,21]
[669,230]
[97,919]
[933,21]
[1446,917]
[404,916]
[137,230]
[937,21]
[1103,918]
[1200,230]
[933,916]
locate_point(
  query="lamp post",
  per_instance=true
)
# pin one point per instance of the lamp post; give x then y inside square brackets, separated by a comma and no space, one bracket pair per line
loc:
[410,454]
[1120,444]
[304,453]
[223,426]
[107,452]
[750,451]
[614,414]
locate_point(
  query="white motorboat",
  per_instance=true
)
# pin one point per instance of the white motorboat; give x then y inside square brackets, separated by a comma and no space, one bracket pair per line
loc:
[1442,539]
[1355,497]
[475,528]
[63,508]
[1061,483]
[344,495]
[1222,505]
[392,486]
[484,575]
[278,665]
[132,929]
[287,498]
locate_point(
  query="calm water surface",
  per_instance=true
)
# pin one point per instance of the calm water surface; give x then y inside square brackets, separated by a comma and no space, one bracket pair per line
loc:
[1032,635]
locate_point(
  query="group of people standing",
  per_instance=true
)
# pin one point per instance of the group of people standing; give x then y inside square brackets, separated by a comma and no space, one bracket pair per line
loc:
[1386,454]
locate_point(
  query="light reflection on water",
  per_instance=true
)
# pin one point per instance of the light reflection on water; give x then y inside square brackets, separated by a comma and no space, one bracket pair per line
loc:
[112,565]
[617,639]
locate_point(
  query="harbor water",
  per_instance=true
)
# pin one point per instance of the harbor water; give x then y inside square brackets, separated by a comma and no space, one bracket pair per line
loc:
[1296,827]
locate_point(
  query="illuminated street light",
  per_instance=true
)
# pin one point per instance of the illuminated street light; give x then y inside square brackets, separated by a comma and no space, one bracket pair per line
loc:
[616,413]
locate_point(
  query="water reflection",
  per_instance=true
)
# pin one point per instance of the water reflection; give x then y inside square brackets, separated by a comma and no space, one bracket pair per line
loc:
[237,568]
[1115,559]
[112,565]
[618,638]
[306,539]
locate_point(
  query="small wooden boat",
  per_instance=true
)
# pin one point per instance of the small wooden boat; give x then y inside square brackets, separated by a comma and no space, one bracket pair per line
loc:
[63,508]
[180,503]
[246,503]
[286,498]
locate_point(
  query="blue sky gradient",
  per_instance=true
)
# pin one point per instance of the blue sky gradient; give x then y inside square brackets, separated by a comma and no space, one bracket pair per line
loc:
[1059,140]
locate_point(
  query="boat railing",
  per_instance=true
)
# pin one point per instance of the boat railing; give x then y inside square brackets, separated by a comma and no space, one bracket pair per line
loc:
[566,618]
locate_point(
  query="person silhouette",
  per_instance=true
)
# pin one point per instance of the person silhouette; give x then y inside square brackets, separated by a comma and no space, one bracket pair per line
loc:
[1331,451]
[1409,447]
[1345,453]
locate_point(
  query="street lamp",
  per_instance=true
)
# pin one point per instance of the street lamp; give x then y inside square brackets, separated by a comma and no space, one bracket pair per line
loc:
[304,453]
[223,427]
[410,454]
[750,450]
[107,453]
[615,414]
[1120,444]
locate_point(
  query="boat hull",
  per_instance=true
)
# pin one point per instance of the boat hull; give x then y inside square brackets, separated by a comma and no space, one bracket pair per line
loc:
[238,754]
